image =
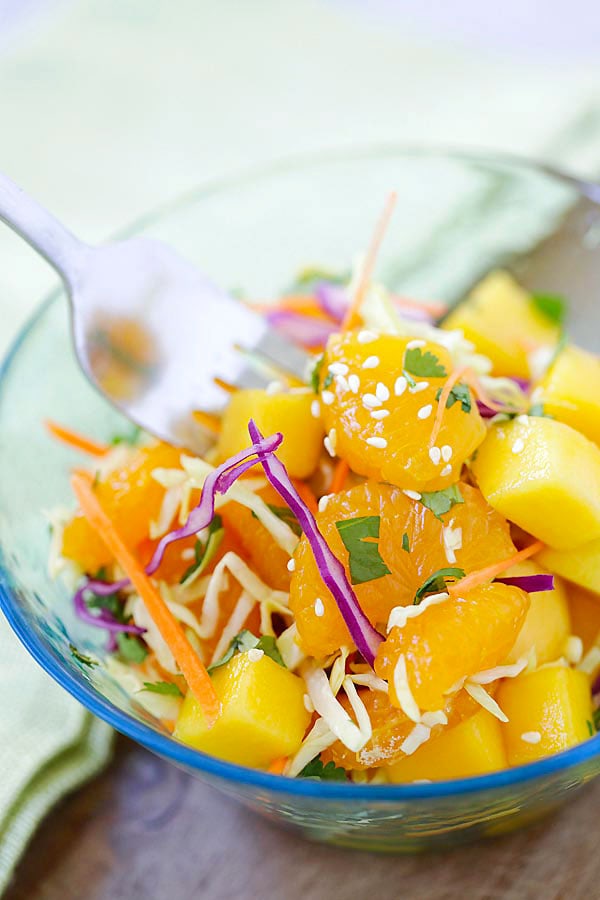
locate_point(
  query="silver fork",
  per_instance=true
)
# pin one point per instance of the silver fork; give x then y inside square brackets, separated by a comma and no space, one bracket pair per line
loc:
[150,331]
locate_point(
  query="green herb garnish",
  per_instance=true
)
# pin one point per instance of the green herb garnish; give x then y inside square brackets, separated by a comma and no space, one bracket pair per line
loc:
[436,583]
[81,657]
[315,375]
[131,648]
[409,379]
[131,437]
[460,393]
[405,543]
[423,365]
[360,538]
[286,515]
[597,719]
[590,727]
[204,553]
[312,275]
[328,381]
[245,641]
[316,769]
[167,688]
[441,502]
[552,306]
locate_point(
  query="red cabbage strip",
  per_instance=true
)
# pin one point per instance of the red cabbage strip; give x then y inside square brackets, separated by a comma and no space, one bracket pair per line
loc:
[531,583]
[305,330]
[333,299]
[104,619]
[366,638]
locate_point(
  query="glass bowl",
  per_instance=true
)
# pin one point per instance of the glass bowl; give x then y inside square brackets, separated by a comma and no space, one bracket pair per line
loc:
[457,216]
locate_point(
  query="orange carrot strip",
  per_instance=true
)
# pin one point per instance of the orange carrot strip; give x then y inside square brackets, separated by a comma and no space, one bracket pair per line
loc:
[306,494]
[339,477]
[352,317]
[474,579]
[73,439]
[208,421]
[225,385]
[186,657]
[441,407]
[278,765]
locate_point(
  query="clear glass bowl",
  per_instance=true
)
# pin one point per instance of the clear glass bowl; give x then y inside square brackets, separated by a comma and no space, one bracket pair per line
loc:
[456,217]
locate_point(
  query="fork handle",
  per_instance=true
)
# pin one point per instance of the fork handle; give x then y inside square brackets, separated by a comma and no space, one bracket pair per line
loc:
[41,230]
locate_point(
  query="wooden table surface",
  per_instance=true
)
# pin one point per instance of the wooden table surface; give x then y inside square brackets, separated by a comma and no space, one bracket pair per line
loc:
[146,831]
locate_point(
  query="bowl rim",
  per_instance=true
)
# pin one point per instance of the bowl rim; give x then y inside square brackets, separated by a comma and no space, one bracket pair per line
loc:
[165,745]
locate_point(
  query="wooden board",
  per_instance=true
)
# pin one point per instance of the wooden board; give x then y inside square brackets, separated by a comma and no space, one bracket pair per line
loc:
[146,831]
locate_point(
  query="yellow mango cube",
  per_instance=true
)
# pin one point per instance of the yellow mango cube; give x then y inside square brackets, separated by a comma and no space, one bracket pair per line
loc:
[584,609]
[580,565]
[474,747]
[287,412]
[263,714]
[570,391]
[545,477]
[547,624]
[501,320]
[548,710]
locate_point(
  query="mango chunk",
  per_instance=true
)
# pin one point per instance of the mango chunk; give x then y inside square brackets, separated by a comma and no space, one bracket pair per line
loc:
[544,476]
[570,391]
[548,710]
[547,624]
[290,413]
[263,714]
[501,320]
[474,747]
[584,609]
[580,565]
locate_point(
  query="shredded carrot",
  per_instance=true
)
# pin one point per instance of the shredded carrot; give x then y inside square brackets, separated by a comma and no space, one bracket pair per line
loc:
[474,579]
[441,407]
[191,666]
[278,765]
[73,439]
[352,317]
[208,421]
[339,477]
[303,305]
[225,385]
[306,494]
[434,309]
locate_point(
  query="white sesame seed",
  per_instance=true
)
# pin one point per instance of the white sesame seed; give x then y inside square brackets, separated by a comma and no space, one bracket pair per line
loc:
[400,385]
[327,397]
[342,382]
[291,565]
[255,654]
[446,452]
[315,409]
[412,495]
[435,455]
[354,383]
[366,337]
[308,704]
[522,419]
[273,387]
[382,392]
[319,607]
[371,362]
[380,413]
[446,471]
[531,737]
[378,442]
[418,387]
[338,368]
[332,438]
[413,345]
[518,446]
[327,445]
[188,553]
[323,501]
[425,411]
[371,401]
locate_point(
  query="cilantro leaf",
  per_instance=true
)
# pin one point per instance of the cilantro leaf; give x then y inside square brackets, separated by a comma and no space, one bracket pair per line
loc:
[441,502]
[423,365]
[131,437]
[365,561]
[460,393]
[131,648]
[162,687]
[204,553]
[590,727]
[316,769]
[268,644]
[409,379]
[315,375]
[328,381]
[312,275]
[244,641]
[436,583]
[597,719]
[286,515]
[81,657]
[552,306]
[405,543]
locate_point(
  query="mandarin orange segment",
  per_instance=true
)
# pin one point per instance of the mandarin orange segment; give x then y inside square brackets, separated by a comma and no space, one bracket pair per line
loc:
[452,640]
[480,536]
[382,410]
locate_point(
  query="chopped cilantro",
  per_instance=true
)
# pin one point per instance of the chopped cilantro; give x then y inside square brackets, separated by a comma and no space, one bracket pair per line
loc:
[423,365]
[131,648]
[244,641]
[365,561]
[436,583]
[286,515]
[460,393]
[590,727]
[405,543]
[329,772]
[167,688]
[553,306]
[597,719]
[328,381]
[131,437]
[315,375]
[204,553]
[81,657]
[307,278]
[409,379]
[441,502]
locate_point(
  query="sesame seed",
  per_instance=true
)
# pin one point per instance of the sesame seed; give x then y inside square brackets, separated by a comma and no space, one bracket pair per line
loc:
[446,452]
[291,565]
[188,553]
[319,607]
[354,383]
[371,362]
[332,437]
[400,385]
[338,368]
[315,409]
[380,413]
[522,419]
[327,445]
[366,337]
[382,392]
[342,382]
[446,470]
[255,654]
[413,345]
[371,401]
[418,387]
[531,737]
[327,397]
[273,387]
[435,455]
[518,446]
[323,501]
[378,442]
[412,495]
[425,411]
